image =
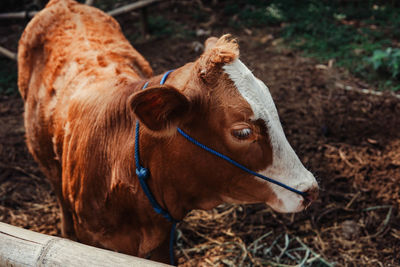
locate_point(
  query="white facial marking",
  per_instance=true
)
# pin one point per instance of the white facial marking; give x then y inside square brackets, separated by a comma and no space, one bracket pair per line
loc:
[286,166]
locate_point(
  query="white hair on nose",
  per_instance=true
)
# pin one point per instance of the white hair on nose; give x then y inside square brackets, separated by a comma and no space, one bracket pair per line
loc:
[286,166]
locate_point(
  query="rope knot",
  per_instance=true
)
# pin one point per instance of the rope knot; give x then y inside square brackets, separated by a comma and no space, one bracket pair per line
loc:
[142,172]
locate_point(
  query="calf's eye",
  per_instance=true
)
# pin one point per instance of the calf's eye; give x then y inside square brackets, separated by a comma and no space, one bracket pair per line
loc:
[242,134]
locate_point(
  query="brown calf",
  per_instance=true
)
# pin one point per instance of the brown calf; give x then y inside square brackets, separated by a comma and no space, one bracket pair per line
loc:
[81,82]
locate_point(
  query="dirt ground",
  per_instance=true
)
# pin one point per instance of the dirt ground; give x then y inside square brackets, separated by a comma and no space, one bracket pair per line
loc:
[348,139]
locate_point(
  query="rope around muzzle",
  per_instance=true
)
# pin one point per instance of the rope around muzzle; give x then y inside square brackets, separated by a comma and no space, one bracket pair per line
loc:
[240,166]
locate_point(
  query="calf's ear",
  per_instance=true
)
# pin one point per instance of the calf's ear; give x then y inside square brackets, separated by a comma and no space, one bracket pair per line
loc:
[210,43]
[159,108]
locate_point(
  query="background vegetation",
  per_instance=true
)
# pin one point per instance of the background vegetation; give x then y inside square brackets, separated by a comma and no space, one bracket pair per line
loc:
[361,36]
[348,137]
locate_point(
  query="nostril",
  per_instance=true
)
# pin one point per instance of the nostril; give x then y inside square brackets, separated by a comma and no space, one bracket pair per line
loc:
[311,194]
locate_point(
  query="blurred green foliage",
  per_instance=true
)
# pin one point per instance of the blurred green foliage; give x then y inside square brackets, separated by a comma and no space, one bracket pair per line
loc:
[14,5]
[159,26]
[357,34]
[387,63]
[386,60]
[8,77]
[361,35]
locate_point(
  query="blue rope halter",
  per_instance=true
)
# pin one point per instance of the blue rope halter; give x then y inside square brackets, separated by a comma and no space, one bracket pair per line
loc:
[143,173]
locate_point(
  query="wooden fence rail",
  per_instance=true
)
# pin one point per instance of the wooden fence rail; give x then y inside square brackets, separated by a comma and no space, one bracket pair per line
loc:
[20,247]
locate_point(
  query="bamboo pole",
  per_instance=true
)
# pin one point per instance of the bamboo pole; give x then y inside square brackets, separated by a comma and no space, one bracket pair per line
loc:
[130,7]
[18,15]
[115,12]
[20,247]
[127,8]
[7,53]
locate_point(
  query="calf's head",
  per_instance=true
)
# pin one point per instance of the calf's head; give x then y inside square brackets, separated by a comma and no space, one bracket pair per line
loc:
[219,102]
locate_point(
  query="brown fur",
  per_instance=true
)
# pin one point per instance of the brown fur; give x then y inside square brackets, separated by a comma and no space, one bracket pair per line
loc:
[81,81]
